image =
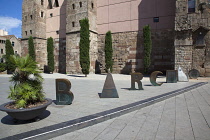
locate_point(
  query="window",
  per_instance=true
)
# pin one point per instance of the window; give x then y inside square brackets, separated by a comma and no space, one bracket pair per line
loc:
[26,32]
[50,4]
[25,18]
[2,51]
[2,60]
[31,17]
[73,6]
[92,5]
[13,44]
[51,14]
[30,31]
[73,24]
[57,32]
[80,4]
[42,14]
[56,4]
[191,6]
[156,19]
[42,2]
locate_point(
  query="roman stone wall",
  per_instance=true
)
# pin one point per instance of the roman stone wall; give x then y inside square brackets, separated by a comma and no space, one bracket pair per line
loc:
[128,51]
[192,36]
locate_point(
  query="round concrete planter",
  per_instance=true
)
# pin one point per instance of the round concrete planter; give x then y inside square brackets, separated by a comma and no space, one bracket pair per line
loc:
[25,114]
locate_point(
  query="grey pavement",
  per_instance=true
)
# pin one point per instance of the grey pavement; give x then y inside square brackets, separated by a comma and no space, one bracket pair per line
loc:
[186,116]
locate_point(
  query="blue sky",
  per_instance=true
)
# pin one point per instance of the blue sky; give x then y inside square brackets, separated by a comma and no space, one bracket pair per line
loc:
[11,16]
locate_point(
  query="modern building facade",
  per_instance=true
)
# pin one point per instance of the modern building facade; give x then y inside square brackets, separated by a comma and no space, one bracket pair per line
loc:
[125,19]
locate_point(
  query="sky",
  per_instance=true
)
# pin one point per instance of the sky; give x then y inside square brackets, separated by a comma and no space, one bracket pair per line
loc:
[11,16]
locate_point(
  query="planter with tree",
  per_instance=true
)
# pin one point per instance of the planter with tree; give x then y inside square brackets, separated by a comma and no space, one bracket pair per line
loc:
[27,92]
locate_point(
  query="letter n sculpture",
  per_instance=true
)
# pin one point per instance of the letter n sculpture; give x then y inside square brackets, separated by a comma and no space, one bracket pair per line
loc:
[63,94]
[136,77]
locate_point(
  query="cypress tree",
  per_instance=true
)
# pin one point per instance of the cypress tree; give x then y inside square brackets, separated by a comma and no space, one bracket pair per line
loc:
[9,51]
[108,51]
[147,47]
[50,55]
[84,46]
[31,49]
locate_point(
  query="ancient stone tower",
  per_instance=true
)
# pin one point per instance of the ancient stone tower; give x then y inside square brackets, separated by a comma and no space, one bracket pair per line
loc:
[34,24]
[77,10]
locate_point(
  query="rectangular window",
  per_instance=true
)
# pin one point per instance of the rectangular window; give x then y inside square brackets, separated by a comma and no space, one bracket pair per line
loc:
[191,6]
[51,14]
[2,60]
[30,31]
[26,32]
[156,19]
[42,14]
[2,51]
[73,24]
[25,18]
[42,2]
[13,43]
[80,4]
[57,32]
[31,17]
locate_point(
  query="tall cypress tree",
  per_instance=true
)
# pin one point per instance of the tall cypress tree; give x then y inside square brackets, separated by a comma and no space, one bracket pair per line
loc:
[31,49]
[147,47]
[84,45]
[9,51]
[50,55]
[108,51]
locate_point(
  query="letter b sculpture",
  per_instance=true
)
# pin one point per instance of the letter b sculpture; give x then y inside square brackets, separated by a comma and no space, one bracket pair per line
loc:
[63,94]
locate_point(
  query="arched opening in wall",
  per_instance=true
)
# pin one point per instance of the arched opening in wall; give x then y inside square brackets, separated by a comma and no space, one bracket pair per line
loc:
[92,5]
[80,4]
[50,4]
[73,6]
[56,4]
[191,6]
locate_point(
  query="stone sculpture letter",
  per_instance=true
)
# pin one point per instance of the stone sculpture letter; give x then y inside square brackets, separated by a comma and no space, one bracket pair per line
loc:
[63,94]
[136,77]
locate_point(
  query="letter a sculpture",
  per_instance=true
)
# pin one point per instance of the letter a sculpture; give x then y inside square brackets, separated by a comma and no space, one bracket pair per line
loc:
[63,94]
[109,90]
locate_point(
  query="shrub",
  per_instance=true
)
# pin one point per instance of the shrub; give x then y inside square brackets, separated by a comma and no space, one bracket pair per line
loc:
[50,55]
[147,47]
[108,51]
[2,67]
[84,46]
[31,49]
[27,82]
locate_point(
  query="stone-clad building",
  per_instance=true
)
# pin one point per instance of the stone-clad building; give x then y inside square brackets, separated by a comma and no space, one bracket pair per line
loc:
[173,38]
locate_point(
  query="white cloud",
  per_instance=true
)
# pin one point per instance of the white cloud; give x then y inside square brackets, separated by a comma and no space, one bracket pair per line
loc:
[8,23]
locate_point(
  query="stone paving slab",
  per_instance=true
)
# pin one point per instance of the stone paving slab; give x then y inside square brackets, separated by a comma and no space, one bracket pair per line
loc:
[85,90]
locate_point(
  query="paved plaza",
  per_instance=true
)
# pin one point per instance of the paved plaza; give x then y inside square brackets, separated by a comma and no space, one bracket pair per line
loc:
[185,116]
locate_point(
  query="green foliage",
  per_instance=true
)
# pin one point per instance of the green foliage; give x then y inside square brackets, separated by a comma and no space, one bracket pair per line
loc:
[9,52]
[31,49]
[50,54]
[84,46]
[147,47]
[2,67]
[108,51]
[27,82]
